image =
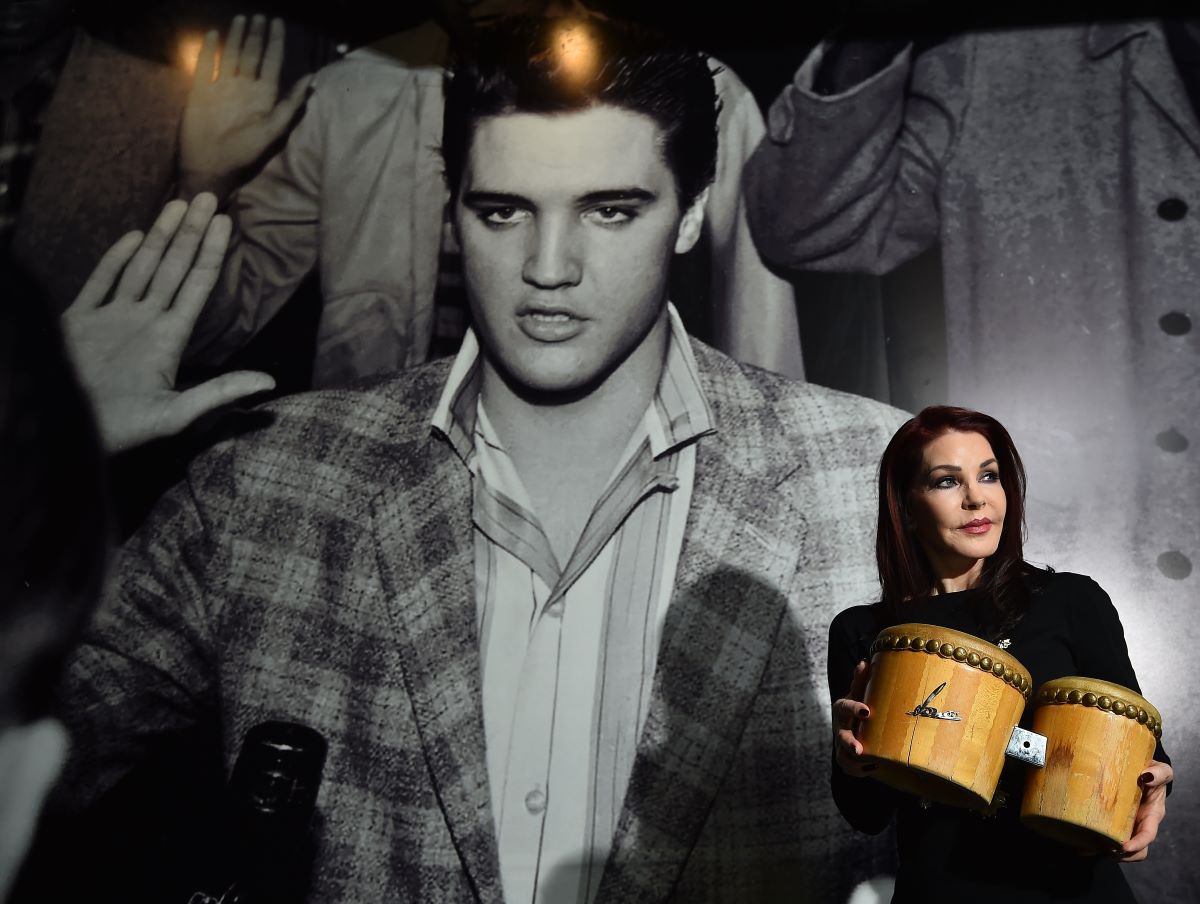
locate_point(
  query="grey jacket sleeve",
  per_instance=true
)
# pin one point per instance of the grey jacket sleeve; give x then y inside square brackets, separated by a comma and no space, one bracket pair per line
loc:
[849,182]
[275,242]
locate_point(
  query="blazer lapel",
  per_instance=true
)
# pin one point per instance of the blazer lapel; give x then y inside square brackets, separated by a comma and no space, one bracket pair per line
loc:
[1154,70]
[425,551]
[720,629]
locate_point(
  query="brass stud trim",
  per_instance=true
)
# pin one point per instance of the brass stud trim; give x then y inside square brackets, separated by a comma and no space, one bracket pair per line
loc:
[888,643]
[1104,703]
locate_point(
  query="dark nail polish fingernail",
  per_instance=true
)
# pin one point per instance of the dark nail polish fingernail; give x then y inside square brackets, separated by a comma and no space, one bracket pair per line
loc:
[862,712]
[1145,778]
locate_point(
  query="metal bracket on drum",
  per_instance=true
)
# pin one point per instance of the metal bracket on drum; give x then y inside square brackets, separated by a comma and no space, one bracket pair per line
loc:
[1027,746]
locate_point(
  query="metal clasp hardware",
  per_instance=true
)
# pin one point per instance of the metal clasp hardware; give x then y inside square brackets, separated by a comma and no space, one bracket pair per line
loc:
[1028,747]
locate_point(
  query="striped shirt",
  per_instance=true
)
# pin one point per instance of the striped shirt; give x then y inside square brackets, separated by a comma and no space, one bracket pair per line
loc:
[568,653]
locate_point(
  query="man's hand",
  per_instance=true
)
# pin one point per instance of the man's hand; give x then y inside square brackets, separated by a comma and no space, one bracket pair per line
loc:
[233,114]
[127,351]
[848,711]
[1150,812]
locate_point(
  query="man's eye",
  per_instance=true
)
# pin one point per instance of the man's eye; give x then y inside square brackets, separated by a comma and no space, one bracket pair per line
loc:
[502,216]
[610,216]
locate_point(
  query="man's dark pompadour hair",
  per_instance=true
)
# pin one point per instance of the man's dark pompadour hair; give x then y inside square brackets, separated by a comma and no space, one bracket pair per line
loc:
[548,65]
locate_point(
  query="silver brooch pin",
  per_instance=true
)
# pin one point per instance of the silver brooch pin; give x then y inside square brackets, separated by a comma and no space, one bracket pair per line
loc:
[1004,644]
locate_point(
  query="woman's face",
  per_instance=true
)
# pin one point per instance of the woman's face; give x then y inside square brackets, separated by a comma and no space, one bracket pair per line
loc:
[957,504]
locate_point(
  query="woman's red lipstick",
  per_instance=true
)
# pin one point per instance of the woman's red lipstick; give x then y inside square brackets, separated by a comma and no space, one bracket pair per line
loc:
[978,526]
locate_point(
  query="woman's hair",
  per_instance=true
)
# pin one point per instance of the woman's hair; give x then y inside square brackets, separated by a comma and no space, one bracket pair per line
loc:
[904,570]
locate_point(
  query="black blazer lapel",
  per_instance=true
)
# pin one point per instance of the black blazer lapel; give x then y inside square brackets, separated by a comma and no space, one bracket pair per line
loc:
[425,551]
[738,553]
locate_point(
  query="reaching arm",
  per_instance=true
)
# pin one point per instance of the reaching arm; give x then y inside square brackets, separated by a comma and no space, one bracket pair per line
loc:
[233,119]
[234,113]
[849,181]
[126,330]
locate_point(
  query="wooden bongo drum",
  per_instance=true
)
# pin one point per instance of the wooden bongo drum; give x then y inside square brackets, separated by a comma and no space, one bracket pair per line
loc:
[1100,737]
[943,707]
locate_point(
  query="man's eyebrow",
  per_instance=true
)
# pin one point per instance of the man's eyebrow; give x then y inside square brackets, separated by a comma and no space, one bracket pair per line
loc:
[617,196]
[590,199]
[498,198]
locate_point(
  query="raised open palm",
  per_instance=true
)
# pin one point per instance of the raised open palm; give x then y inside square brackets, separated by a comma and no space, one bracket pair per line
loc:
[126,342]
[233,113]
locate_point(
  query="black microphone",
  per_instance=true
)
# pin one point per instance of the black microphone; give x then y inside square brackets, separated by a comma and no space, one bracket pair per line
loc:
[267,854]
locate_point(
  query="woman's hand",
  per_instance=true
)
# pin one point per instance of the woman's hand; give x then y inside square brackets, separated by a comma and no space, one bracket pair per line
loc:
[848,711]
[1150,811]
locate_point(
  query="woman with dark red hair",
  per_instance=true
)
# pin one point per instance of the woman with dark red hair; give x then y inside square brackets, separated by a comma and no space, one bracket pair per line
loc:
[950,553]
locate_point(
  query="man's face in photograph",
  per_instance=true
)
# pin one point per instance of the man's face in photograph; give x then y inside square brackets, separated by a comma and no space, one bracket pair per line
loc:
[568,222]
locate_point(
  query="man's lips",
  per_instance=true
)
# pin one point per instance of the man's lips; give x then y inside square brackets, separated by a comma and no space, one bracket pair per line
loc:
[546,323]
[548,309]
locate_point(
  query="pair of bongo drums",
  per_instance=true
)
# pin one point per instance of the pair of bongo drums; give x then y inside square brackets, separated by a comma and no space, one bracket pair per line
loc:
[945,708]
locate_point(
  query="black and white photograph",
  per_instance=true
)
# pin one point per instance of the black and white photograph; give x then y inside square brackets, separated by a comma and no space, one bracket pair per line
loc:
[805,399]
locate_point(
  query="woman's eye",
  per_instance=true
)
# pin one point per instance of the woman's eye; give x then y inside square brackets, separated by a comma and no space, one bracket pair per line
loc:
[944,483]
[989,477]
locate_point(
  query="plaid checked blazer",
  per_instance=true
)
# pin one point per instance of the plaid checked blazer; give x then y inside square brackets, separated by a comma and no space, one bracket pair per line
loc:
[321,570]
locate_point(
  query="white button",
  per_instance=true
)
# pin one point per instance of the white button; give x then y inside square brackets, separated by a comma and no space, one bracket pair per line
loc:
[555,609]
[535,801]
[342,49]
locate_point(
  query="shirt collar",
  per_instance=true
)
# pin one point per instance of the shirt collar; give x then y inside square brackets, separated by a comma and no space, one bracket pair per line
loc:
[678,414]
